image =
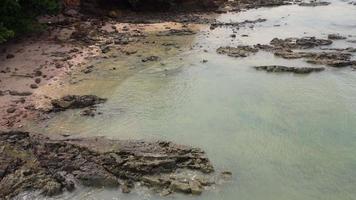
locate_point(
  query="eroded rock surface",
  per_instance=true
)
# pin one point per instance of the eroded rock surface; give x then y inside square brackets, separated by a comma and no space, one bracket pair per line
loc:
[314,3]
[75,101]
[299,43]
[296,70]
[239,51]
[34,162]
[289,48]
[236,24]
[334,59]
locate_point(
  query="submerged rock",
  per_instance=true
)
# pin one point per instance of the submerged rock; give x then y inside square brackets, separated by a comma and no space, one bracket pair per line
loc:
[333,59]
[236,24]
[75,101]
[239,51]
[336,37]
[150,58]
[176,32]
[31,162]
[314,3]
[299,43]
[297,70]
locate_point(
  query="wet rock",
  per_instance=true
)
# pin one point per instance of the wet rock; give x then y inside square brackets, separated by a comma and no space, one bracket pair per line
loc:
[239,51]
[50,166]
[296,70]
[38,80]
[91,112]
[299,43]
[195,187]
[226,175]
[34,86]
[176,32]
[333,63]
[236,24]
[37,73]
[52,188]
[105,49]
[11,110]
[150,58]
[9,56]
[125,189]
[314,3]
[179,186]
[336,37]
[75,101]
[288,54]
[351,41]
[88,69]
[17,93]
[334,59]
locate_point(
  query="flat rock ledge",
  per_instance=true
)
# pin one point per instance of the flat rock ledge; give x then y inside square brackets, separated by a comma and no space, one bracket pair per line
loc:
[75,101]
[33,162]
[296,70]
[239,51]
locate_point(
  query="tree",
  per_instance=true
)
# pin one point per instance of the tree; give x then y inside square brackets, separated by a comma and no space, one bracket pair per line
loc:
[18,16]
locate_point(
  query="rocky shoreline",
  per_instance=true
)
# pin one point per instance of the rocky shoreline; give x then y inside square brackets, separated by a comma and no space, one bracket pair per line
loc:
[33,70]
[33,162]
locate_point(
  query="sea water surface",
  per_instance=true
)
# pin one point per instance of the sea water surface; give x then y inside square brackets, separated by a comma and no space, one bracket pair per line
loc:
[283,136]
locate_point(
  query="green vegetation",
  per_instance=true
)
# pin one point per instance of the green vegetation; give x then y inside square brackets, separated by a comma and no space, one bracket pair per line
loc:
[18,16]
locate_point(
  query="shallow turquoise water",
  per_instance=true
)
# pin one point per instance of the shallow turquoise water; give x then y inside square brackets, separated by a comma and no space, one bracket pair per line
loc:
[283,136]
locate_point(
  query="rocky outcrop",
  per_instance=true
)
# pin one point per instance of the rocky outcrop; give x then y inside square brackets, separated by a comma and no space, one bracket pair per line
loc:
[236,24]
[299,43]
[239,51]
[75,101]
[289,48]
[34,162]
[333,59]
[314,3]
[336,36]
[296,70]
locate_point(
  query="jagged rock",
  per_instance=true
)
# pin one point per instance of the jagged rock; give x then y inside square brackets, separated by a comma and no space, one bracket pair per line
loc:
[52,188]
[334,59]
[288,54]
[75,101]
[240,51]
[179,186]
[195,187]
[150,58]
[314,3]
[299,43]
[176,32]
[236,24]
[31,162]
[336,37]
[297,70]
[333,63]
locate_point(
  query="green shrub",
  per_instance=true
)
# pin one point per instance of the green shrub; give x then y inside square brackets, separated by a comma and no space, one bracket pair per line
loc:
[18,16]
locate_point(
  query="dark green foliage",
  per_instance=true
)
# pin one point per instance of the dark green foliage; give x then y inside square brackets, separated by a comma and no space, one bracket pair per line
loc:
[18,16]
